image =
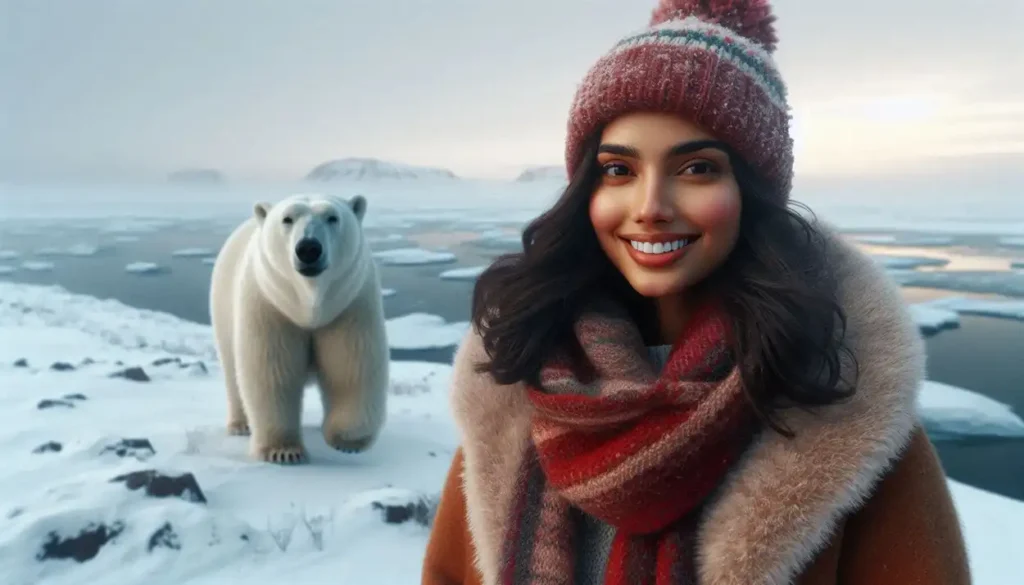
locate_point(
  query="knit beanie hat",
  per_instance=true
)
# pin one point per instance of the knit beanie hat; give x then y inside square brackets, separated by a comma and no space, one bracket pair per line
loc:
[709,61]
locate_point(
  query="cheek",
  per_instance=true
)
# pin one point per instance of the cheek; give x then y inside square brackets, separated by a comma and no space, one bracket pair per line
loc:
[720,210]
[605,215]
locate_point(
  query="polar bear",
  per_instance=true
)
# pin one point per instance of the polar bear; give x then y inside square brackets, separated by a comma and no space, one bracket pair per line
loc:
[295,297]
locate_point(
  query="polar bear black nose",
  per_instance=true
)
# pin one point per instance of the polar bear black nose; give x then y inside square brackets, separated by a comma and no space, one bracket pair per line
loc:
[308,250]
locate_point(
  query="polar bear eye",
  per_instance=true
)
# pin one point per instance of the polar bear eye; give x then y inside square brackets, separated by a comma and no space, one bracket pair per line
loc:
[288,220]
[332,219]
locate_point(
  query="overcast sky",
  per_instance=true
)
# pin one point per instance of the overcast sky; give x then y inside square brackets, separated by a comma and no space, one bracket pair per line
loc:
[267,89]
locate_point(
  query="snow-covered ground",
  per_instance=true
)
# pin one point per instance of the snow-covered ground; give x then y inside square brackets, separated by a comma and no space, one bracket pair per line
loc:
[424,331]
[114,425]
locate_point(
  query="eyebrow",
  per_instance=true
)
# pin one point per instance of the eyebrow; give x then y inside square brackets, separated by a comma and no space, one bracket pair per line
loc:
[679,149]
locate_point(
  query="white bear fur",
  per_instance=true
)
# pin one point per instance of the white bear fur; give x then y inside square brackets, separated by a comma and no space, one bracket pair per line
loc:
[277,330]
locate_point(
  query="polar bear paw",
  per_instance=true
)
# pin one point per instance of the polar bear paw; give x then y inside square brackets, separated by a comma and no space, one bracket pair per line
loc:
[283,455]
[238,428]
[350,445]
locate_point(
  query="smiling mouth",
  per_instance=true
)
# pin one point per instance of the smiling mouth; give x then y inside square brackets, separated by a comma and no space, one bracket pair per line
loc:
[660,250]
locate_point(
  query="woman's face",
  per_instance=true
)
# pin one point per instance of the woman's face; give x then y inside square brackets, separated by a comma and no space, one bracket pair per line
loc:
[667,206]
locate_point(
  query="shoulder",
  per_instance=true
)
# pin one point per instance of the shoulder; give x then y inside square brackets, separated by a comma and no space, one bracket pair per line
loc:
[478,402]
[908,530]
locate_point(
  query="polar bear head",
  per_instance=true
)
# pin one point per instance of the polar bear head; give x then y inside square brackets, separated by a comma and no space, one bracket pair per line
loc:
[313,236]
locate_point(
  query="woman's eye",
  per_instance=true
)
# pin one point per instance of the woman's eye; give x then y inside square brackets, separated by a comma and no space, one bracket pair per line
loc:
[615,170]
[700,168]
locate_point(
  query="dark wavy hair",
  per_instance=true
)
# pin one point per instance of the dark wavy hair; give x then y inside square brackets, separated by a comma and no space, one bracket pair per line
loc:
[776,287]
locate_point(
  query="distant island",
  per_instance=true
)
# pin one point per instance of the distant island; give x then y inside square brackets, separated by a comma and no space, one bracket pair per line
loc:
[355,168]
[542,173]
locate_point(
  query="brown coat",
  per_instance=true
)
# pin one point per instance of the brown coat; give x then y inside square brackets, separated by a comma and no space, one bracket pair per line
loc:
[858,497]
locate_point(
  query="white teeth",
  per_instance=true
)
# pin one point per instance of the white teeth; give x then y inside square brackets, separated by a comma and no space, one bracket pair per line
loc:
[659,247]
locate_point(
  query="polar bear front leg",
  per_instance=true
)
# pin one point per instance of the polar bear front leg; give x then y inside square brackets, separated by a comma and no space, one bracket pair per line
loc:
[352,359]
[272,359]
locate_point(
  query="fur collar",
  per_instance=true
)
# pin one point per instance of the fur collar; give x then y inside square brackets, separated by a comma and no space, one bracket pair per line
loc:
[781,503]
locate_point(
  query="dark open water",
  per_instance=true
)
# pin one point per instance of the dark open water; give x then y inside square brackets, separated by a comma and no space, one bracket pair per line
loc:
[983,355]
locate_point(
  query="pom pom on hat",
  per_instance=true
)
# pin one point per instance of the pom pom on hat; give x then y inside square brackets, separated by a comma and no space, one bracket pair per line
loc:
[752,19]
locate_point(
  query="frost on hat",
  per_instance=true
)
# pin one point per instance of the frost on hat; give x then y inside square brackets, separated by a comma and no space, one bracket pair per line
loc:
[707,61]
[752,19]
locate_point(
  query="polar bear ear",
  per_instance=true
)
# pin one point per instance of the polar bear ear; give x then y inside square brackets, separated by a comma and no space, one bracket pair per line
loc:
[358,205]
[260,210]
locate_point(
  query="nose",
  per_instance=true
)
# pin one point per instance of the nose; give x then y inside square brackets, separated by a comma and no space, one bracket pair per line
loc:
[308,250]
[655,204]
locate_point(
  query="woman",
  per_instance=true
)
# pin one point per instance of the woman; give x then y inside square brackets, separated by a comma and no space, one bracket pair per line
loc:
[680,380]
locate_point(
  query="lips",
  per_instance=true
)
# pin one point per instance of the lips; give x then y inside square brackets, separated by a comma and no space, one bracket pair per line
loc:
[658,250]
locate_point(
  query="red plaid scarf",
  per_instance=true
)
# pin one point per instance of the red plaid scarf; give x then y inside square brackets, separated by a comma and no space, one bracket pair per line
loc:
[636,450]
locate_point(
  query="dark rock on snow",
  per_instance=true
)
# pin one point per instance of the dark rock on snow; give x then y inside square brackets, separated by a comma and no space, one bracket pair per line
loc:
[82,547]
[421,511]
[167,360]
[75,396]
[134,373]
[61,367]
[48,447]
[21,363]
[48,403]
[140,449]
[159,485]
[164,537]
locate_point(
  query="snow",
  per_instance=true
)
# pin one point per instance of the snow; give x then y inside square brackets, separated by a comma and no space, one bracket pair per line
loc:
[143,268]
[250,507]
[1012,242]
[326,514]
[387,292]
[413,257]
[126,239]
[932,319]
[951,412]
[373,169]
[37,266]
[8,254]
[998,308]
[385,239]
[193,253]
[993,526]
[7,269]
[131,225]
[74,250]
[210,261]
[469,273]
[424,331]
